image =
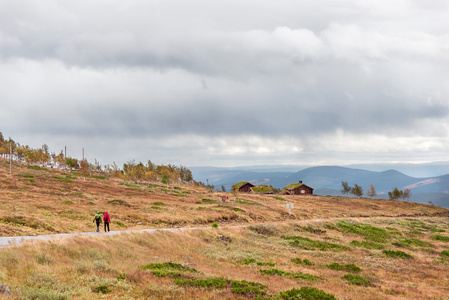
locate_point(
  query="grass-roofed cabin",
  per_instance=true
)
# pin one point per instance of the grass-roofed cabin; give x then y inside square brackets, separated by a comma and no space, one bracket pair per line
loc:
[262,189]
[243,187]
[298,189]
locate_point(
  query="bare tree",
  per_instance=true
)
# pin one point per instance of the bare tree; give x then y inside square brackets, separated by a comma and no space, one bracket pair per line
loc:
[371,192]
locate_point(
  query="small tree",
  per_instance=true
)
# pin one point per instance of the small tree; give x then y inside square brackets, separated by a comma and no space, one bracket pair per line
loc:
[371,192]
[357,190]
[395,194]
[346,189]
[407,194]
[223,189]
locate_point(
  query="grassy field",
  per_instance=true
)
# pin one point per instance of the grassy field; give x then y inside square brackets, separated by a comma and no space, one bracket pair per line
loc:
[329,248]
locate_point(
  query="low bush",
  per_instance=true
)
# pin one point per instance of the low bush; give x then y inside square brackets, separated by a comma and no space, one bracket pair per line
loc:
[408,243]
[215,225]
[441,238]
[102,289]
[218,283]
[368,231]
[119,224]
[248,261]
[248,288]
[445,253]
[397,254]
[307,262]
[357,280]
[168,266]
[296,260]
[309,244]
[348,267]
[205,200]
[306,293]
[277,272]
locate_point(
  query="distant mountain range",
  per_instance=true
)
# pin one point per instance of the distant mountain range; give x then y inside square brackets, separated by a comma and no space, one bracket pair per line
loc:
[326,180]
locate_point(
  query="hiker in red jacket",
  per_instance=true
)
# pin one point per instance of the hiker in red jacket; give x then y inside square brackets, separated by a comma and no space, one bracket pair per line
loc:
[106,220]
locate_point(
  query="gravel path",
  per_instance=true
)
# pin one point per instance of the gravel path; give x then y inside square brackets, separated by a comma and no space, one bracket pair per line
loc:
[17,240]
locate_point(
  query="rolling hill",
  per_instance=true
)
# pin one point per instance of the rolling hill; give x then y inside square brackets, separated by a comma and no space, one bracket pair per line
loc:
[326,180]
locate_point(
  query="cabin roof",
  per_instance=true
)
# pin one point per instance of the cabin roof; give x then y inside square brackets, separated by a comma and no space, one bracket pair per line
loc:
[293,186]
[262,189]
[241,183]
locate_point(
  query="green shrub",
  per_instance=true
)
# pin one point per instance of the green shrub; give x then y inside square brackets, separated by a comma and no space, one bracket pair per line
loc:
[103,289]
[121,277]
[168,266]
[158,203]
[119,224]
[435,229]
[445,253]
[397,254]
[28,176]
[368,231]
[309,244]
[62,179]
[274,272]
[246,202]
[67,202]
[441,238]
[218,283]
[307,262]
[306,293]
[348,267]
[165,273]
[279,198]
[248,261]
[357,280]
[353,268]
[296,260]
[335,266]
[408,243]
[237,209]
[215,225]
[205,200]
[303,276]
[248,288]
[131,184]
[91,203]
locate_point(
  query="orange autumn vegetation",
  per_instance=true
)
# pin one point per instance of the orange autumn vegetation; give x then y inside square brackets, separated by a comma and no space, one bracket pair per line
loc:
[401,248]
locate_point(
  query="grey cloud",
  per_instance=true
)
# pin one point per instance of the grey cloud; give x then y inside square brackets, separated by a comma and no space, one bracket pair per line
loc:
[225,70]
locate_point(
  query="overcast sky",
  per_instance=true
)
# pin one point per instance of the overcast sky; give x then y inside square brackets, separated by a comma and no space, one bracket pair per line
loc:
[228,83]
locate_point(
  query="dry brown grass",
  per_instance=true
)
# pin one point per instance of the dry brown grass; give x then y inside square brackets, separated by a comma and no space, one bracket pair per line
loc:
[50,201]
[75,268]
[72,268]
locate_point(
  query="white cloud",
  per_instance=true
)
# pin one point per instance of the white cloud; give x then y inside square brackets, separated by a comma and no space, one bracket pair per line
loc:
[228,81]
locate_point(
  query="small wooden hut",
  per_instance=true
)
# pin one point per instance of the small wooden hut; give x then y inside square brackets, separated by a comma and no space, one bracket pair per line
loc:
[298,189]
[243,187]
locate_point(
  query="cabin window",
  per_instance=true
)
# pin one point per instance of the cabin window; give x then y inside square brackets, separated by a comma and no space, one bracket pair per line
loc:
[303,191]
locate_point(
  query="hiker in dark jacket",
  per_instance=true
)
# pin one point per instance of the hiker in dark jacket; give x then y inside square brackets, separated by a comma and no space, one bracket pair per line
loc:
[106,220]
[97,219]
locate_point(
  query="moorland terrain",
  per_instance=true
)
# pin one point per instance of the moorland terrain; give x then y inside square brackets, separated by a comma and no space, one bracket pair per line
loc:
[328,248]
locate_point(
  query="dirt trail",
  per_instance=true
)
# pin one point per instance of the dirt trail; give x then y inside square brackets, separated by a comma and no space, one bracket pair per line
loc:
[18,240]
